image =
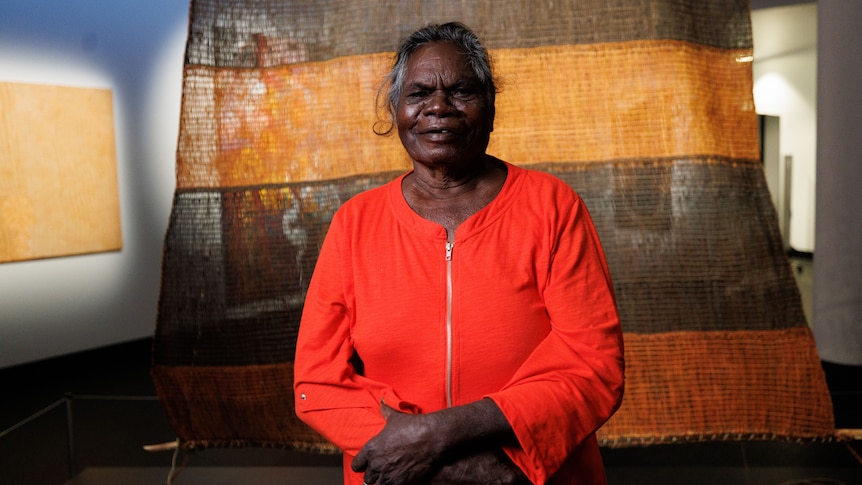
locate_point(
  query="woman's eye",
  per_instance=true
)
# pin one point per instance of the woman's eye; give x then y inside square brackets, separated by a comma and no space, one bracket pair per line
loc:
[413,97]
[464,93]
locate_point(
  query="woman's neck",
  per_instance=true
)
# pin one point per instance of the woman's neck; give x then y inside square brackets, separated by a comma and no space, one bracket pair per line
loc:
[448,197]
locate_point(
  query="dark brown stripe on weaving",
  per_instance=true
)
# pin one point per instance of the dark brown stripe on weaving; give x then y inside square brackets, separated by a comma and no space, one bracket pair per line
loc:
[692,244]
[236,267]
[235,406]
[719,386]
[268,33]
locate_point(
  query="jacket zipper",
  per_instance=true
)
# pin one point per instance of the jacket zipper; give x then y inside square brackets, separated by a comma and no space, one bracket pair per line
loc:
[449,247]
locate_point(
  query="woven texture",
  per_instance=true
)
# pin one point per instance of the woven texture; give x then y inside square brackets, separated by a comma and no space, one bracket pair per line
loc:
[643,107]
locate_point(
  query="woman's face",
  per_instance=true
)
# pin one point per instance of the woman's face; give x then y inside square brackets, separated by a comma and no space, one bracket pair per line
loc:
[443,115]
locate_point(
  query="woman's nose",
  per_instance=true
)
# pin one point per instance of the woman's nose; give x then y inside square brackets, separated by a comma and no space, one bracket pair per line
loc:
[438,103]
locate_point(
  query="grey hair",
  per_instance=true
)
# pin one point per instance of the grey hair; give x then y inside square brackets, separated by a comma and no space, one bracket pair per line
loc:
[453,32]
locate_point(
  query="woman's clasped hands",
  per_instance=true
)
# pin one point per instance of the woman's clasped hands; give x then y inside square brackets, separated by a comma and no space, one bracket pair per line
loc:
[428,449]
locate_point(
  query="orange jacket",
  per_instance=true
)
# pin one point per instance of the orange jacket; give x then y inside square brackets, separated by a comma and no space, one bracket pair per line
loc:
[531,323]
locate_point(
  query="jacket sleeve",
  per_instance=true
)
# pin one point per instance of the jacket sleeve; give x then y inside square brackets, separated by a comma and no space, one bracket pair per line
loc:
[573,382]
[330,395]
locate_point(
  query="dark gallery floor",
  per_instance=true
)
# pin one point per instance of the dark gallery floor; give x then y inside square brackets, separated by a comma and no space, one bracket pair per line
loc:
[83,419]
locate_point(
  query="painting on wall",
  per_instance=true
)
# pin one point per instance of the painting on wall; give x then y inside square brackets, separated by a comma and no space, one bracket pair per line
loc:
[58,172]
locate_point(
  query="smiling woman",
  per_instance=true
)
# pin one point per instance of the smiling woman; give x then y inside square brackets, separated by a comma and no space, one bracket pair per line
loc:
[443,115]
[444,118]
[503,355]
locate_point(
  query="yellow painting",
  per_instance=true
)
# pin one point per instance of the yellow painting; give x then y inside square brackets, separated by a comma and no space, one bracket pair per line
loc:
[58,172]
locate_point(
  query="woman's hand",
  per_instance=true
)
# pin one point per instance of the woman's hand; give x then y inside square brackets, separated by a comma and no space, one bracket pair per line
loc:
[452,446]
[404,452]
[484,468]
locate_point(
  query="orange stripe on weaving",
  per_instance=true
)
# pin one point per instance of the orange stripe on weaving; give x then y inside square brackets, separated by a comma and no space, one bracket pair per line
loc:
[697,386]
[561,104]
[633,100]
[234,404]
[302,122]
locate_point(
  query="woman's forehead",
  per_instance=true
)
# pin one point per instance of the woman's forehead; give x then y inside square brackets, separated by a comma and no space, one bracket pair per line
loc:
[439,59]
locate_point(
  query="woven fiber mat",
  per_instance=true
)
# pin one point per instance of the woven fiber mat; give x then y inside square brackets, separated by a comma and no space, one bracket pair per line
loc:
[644,107]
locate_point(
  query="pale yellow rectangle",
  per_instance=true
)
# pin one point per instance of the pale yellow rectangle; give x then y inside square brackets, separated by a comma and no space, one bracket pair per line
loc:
[58,172]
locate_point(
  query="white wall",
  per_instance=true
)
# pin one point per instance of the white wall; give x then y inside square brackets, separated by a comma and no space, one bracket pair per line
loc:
[135,48]
[785,85]
[837,282]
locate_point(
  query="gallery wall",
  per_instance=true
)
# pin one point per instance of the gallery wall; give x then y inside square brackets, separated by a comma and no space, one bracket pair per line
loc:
[785,85]
[134,48]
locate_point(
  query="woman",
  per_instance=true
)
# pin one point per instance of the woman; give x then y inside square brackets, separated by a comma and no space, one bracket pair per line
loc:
[460,326]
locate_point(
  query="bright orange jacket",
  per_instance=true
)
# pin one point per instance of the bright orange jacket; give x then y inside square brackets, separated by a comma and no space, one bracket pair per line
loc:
[530,322]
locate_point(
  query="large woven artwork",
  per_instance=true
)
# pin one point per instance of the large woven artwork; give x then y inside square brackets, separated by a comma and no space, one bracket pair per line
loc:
[644,107]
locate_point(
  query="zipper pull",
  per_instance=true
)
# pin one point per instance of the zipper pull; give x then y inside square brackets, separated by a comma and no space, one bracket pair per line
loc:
[449,246]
